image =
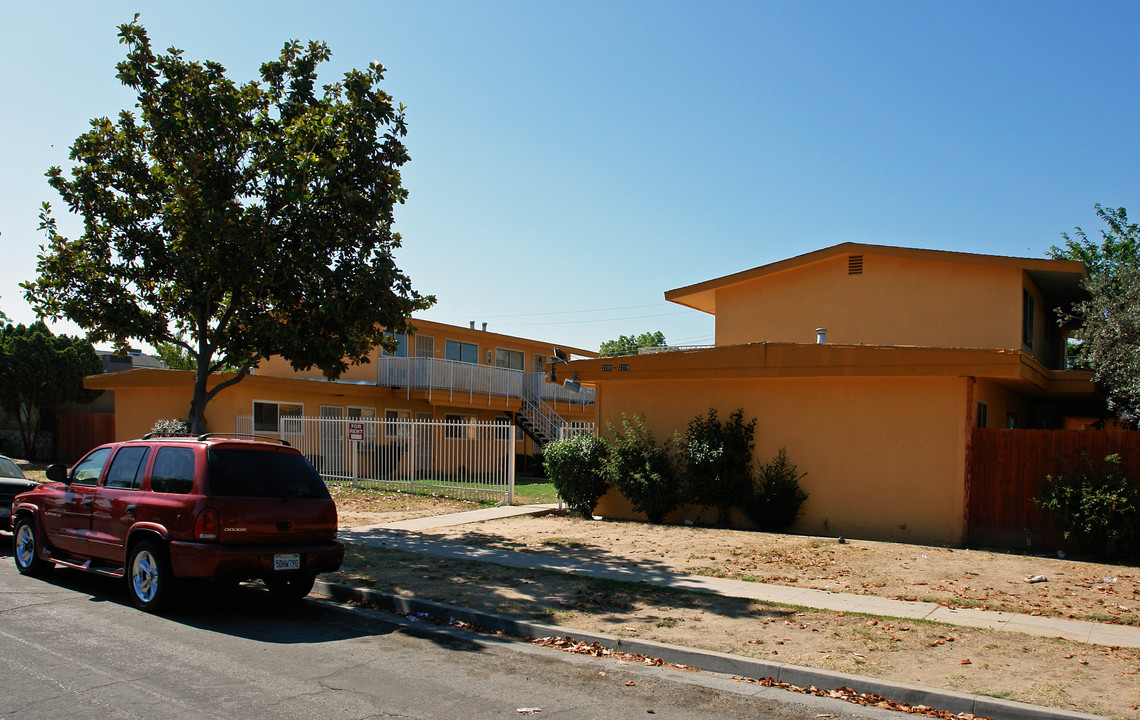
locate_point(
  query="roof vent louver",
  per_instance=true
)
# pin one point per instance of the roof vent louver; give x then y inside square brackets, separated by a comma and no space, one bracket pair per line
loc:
[854,264]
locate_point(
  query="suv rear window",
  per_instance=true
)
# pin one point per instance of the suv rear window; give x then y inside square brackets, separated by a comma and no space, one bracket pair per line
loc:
[173,471]
[241,472]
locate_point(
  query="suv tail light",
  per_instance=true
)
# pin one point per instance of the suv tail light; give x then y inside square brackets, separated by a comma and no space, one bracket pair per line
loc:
[206,526]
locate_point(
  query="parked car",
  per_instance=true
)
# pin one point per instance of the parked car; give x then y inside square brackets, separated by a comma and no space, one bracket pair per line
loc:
[162,509]
[12,483]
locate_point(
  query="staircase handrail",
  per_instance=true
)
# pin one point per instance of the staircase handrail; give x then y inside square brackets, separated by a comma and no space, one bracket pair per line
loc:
[548,422]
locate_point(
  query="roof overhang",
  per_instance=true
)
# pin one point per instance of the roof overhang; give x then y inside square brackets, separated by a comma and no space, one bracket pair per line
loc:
[1010,368]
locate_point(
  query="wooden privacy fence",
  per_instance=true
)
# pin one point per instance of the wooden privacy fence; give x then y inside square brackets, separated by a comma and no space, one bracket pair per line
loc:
[1006,469]
[76,433]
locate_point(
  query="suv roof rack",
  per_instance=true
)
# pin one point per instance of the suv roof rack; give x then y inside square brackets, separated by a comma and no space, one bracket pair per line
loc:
[150,435]
[206,436]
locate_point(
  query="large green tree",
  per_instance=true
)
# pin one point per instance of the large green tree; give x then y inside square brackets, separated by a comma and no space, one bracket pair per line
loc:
[39,370]
[629,344]
[236,221]
[1108,322]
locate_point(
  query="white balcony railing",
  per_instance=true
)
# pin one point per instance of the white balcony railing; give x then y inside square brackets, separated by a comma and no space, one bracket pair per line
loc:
[460,378]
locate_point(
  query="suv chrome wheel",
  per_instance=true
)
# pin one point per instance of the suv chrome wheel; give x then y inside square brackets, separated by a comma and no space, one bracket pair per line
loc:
[148,575]
[25,551]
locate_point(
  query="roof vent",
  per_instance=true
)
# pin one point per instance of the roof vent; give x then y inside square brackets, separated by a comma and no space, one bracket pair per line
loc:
[854,264]
[821,336]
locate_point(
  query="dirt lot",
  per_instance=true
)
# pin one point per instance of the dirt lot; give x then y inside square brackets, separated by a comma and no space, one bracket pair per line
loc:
[1044,671]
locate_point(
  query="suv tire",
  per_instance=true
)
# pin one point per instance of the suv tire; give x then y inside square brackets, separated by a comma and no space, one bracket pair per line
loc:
[289,588]
[25,548]
[149,577]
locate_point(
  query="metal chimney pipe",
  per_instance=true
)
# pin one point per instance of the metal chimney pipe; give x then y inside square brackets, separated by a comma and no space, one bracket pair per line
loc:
[472,324]
[821,336]
[484,327]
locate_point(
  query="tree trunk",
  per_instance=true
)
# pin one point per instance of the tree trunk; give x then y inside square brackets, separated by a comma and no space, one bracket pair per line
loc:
[197,419]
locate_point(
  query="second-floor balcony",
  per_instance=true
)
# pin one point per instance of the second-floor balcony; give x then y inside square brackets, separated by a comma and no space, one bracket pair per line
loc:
[459,379]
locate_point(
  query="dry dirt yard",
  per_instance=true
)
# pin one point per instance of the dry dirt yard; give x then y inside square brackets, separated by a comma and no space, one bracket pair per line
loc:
[1044,671]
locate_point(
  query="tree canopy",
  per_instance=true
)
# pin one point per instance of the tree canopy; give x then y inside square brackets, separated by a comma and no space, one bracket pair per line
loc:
[236,221]
[629,344]
[39,370]
[1108,322]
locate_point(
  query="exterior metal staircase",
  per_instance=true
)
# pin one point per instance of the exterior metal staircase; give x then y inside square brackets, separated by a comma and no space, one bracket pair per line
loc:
[537,419]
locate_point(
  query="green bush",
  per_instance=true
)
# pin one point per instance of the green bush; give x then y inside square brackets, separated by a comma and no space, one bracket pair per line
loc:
[716,461]
[777,498]
[1097,506]
[642,471]
[576,467]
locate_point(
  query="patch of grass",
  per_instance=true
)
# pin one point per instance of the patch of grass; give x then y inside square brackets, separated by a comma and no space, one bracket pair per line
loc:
[669,622]
[564,542]
[534,491]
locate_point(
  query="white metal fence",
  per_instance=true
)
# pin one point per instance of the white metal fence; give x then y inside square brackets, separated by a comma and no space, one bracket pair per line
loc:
[469,460]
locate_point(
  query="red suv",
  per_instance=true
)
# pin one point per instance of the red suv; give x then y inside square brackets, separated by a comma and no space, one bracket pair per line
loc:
[160,509]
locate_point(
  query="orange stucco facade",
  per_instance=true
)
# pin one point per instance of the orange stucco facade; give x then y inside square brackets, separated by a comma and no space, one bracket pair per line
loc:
[377,389]
[921,346]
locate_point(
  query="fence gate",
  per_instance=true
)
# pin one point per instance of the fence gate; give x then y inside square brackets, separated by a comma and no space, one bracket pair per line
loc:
[466,460]
[1007,468]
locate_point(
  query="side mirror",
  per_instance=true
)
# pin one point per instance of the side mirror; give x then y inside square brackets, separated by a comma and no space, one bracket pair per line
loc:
[57,473]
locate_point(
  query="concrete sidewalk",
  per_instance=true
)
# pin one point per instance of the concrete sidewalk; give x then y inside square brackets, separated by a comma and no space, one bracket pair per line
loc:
[403,536]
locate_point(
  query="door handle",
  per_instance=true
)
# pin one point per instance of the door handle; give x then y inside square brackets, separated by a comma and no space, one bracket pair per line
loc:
[88,503]
[131,509]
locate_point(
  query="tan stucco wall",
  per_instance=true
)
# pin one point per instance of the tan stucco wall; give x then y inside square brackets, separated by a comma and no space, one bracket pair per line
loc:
[999,403]
[884,456]
[895,301]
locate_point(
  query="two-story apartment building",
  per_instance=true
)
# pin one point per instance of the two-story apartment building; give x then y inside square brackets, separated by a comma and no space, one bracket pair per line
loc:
[443,373]
[871,365]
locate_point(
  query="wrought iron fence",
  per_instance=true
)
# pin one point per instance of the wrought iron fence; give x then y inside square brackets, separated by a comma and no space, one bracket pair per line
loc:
[466,459]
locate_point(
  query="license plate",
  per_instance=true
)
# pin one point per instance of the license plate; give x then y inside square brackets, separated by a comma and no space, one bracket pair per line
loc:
[287,561]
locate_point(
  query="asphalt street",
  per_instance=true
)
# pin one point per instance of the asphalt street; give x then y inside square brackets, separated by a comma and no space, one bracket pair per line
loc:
[72,646]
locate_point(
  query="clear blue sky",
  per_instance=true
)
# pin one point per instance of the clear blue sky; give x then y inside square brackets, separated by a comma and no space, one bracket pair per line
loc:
[571,162]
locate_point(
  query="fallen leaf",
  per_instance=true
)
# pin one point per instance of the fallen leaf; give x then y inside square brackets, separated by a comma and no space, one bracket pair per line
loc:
[966,661]
[629,683]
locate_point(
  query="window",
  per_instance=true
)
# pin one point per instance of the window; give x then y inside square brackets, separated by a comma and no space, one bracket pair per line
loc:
[503,429]
[512,359]
[1011,420]
[461,351]
[272,417]
[425,346]
[397,423]
[126,469]
[262,473]
[173,471]
[983,411]
[459,427]
[401,345]
[1026,318]
[87,472]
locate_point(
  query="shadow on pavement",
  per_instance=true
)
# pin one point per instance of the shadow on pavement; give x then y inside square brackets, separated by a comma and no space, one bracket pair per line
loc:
[245,611]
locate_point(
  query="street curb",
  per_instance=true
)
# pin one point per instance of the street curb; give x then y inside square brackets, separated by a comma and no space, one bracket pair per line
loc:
[712,661]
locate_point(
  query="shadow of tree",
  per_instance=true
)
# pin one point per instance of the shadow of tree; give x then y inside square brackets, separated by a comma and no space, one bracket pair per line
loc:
[496,573]
[245,611]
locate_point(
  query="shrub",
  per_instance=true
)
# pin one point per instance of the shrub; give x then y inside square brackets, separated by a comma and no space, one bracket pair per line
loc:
[576,467]
[777,498]
[170,427]
[1097,506]
[716,461]
[642,471]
